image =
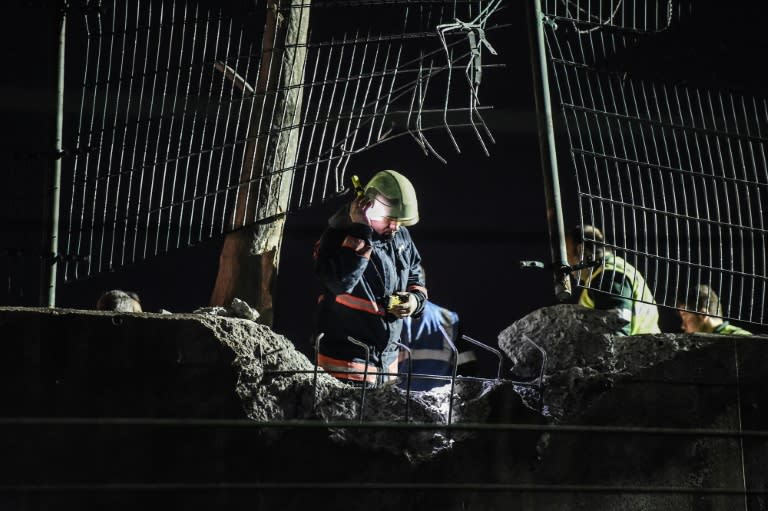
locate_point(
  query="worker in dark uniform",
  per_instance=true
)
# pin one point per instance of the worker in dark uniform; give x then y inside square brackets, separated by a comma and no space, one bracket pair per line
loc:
[700,311]
[431,339]
[370,272]
[612,285]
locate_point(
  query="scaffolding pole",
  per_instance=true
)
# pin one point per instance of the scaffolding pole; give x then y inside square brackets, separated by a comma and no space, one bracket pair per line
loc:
[549,168]
[52,181]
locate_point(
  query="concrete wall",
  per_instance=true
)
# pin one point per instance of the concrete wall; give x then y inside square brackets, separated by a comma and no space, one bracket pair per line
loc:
[65,363]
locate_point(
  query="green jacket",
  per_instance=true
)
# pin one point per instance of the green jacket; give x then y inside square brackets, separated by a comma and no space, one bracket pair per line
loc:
[621,286]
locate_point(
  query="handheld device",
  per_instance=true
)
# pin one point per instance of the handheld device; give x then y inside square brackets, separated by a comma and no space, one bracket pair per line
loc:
[358,186]
[398,298]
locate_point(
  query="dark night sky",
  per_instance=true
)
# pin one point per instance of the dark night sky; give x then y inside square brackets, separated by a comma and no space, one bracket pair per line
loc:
[479,215]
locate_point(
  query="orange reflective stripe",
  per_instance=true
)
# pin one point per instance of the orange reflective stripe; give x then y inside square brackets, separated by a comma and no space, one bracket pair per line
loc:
[358,246]
[347,369]
[361,304]
[414,287]
[353,243]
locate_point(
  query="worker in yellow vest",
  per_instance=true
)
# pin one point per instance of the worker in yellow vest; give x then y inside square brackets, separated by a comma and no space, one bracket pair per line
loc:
[613,284]
[700,311]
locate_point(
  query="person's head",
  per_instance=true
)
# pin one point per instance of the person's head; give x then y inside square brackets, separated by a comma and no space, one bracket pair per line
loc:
[704,312]
[584,244]
[119,301]
[393,201]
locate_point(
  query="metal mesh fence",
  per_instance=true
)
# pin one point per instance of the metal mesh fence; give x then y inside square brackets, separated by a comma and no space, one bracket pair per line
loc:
[672,172]
[194,121]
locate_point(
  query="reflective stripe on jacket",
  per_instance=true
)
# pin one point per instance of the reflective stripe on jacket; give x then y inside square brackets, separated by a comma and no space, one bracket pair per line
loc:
[428,338]
[644,314]
[726,328]
[356,370]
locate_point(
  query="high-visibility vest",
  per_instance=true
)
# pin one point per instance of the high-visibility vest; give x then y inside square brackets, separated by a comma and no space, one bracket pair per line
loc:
[429,338]
[645,314]
[726,328]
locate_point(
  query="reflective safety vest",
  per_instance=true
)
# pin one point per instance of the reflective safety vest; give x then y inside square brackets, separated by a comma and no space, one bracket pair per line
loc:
[726,328]
[644,314]
[429,338]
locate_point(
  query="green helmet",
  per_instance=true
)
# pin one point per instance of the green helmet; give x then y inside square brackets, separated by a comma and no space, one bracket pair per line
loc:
[393,196]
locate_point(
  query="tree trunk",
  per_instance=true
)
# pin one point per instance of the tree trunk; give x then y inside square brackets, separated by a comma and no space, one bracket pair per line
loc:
[249,259]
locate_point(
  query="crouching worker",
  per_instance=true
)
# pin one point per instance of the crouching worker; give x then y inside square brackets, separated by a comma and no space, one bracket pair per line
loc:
[700,311]
[612,285]
[370,272]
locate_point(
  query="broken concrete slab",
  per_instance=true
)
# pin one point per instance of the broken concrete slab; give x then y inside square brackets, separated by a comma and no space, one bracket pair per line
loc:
[652,400]
[579,354]
[144,365]
[277,382]
[92,363]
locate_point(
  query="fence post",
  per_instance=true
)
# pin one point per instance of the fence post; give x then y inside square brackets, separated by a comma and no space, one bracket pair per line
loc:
[547,150]
[250,255]
[52,181]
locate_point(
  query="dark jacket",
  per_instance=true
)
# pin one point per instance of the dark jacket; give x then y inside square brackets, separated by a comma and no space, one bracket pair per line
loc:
[359,270]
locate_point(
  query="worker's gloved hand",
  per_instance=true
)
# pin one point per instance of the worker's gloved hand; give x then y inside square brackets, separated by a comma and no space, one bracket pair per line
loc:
[358,209]
[406,306]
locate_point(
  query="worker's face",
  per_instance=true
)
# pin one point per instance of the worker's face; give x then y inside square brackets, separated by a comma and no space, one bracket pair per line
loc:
[386,227]
[573,253]
[572,250]
[379,215]
[692,322]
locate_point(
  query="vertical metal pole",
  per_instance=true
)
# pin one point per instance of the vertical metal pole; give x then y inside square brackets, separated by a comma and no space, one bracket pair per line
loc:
[547,150]
[53,182]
